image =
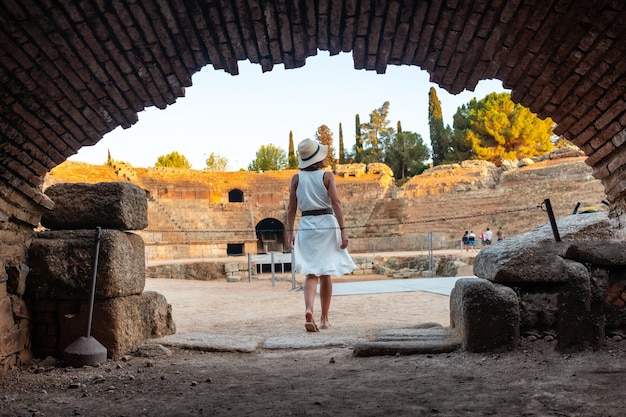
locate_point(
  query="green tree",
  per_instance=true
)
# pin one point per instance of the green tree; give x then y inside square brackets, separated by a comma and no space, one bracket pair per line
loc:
[439,141]
[460,146]
[173,160]
[325,136]
[406,154]
[377,130]
[216,162]
[110,161]
[292,157]
[342,151]
[269,158]
[499,129]
[358,142]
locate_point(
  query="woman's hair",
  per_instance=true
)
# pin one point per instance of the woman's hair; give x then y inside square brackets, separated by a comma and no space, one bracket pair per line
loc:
[315,166]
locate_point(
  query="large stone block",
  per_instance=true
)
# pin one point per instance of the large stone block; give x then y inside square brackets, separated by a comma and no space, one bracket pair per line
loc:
[486,317]
[62,261]
[605,252]
[202,271]
[110,205]
[119,324]
[535,256]
[579,324]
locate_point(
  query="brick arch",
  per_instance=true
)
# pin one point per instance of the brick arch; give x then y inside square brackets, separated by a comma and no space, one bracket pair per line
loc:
[73,71]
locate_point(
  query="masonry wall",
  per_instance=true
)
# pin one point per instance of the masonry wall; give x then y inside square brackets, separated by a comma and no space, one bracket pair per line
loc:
[17,220]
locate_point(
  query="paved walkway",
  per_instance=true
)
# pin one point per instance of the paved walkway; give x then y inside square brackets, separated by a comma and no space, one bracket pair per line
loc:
[441,285]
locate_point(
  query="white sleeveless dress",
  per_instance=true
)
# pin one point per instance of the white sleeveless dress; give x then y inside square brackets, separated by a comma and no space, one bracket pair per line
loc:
[317,248]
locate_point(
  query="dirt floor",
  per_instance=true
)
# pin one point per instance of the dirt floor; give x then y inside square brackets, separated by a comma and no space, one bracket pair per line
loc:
[533,380]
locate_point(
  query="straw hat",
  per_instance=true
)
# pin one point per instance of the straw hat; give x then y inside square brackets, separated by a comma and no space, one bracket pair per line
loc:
[310,152]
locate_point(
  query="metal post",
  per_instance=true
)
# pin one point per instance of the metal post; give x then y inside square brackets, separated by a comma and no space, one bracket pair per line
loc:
[430,253]
[293,271]
[273,269]
[249,267]
[555,229]
[93,279]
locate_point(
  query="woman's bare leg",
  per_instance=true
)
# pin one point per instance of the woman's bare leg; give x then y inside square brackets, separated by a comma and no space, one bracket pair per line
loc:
[326,293]
[310,289]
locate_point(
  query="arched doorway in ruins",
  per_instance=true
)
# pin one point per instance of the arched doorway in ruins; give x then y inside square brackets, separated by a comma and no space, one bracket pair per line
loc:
[270,235]
[235,196]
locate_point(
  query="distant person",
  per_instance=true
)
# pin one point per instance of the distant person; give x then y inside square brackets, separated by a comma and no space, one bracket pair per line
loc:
[472,240]
[488,237]
[465,241]
[482,239]
[320,245]
[499,234]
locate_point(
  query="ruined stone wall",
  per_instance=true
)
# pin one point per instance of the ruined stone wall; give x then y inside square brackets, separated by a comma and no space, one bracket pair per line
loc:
[17,220]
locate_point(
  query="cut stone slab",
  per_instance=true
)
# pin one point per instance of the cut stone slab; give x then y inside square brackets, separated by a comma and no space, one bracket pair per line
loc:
[412,341]
[606,253]
[534,256]
[61,264]
[110,205]
[306,340]
[211,342]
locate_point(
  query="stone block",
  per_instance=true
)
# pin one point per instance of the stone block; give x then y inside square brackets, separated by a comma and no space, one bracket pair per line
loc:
[62,261]
[110,205]
[535,256]
[486,317]
[599,253]
[579,325]
[202,271]
[119,324]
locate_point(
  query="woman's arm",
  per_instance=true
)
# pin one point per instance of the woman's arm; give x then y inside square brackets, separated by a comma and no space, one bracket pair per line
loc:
[333,194]
[292,209]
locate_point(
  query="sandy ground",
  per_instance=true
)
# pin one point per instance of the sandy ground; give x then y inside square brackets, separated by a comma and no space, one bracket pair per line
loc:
[257,308]
[534,380]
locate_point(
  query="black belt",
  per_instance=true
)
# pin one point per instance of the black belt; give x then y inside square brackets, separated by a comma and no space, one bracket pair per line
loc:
[317,212]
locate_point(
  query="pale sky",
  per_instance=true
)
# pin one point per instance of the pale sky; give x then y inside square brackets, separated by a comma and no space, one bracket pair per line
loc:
[233,116]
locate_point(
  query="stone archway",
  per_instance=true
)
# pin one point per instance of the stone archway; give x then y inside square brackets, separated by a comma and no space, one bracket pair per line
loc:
[270,234]
[235,196]
[71,72]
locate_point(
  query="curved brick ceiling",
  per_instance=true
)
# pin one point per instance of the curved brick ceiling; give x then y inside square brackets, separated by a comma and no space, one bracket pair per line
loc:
[72,71]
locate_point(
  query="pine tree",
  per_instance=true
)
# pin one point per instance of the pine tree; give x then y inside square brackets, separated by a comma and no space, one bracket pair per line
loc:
[342,151]
[375,133]
[358,145]
[497,129]
[435,122]
[292,158]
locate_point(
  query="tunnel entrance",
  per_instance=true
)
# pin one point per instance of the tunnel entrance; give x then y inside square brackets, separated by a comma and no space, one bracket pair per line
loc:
[270,235]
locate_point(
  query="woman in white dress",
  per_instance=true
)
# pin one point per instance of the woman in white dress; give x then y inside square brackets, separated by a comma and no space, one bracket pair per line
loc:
[320,244]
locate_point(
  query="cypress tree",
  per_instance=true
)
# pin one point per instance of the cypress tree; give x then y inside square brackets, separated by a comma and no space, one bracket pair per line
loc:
[292,158]
[435,122]
[358,145]
[342,151]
